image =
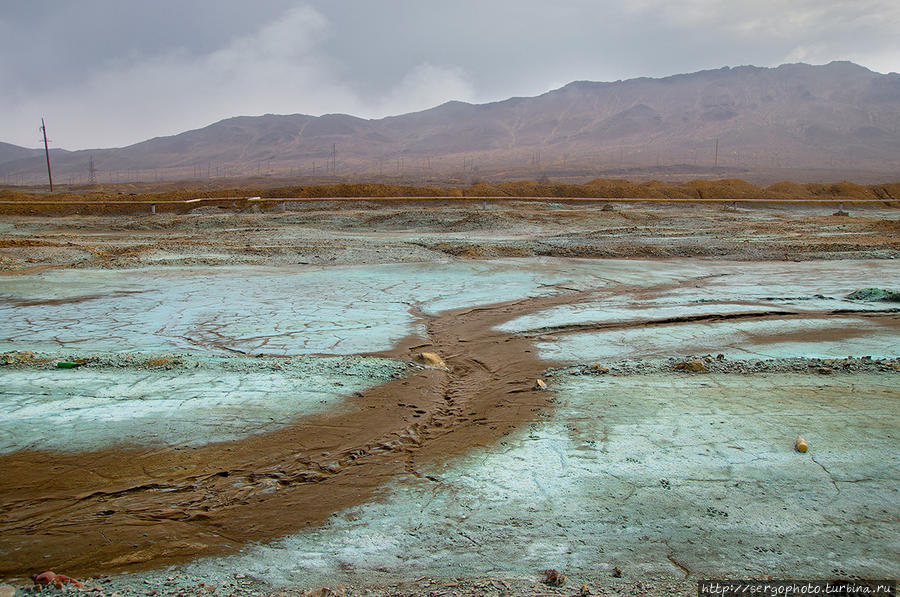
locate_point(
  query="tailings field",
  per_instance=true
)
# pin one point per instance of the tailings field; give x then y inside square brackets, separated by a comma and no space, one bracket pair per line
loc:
[237,402]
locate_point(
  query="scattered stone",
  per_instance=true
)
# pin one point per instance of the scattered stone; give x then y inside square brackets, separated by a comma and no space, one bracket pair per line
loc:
[585,590]
[617,572]
[801,444]
[598,368]
[553,578]
[607,207]
[547,338]
[693,366]
[7,591]
[540,384]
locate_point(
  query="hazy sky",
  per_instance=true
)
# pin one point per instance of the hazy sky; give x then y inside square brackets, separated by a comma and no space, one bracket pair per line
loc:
[113,72]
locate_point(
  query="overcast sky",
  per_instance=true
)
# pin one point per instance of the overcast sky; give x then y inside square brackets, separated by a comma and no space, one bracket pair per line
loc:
[110,73]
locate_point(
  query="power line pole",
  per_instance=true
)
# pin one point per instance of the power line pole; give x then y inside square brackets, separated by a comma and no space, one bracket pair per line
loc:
[716,165]
[334,159]
[47,153]
[92,172]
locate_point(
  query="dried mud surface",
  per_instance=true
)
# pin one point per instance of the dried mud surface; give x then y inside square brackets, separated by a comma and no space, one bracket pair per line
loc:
[370,232]
[132,509]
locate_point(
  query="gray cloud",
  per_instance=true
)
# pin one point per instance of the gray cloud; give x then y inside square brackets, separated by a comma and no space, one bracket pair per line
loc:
[106,72]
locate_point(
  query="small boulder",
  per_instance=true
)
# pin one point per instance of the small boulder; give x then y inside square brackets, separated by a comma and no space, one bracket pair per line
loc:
[801,444]
[431,359]
[554,578]
[692,366]
[7,591]
[540,384]
[44,579]
[598,368]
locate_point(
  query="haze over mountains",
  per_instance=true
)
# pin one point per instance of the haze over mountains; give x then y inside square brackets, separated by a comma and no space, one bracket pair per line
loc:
[839,117]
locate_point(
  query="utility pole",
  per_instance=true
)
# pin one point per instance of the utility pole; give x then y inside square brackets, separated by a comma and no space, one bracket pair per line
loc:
[717,154]
[47,153]
[334,159]
[92,172]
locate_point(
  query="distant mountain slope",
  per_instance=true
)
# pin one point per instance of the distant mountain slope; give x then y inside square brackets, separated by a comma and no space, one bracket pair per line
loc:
[839,116]
[9,153]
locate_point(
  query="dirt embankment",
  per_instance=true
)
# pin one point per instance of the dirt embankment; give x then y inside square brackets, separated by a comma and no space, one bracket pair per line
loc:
[127,199]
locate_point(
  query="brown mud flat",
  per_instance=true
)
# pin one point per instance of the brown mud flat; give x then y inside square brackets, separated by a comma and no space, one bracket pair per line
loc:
[367,231]
[124,510]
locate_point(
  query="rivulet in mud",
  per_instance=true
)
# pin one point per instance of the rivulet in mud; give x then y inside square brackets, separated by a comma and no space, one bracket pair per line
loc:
[121,509]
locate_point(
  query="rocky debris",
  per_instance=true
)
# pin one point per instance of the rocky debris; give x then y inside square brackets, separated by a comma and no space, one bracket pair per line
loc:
[692,366]
[554,578]
[875,294]
[540,384]
[375,367]
[801,444]
[431,359]
[547,338]
[865,364]
[46,579]
[168,583]
[326,592]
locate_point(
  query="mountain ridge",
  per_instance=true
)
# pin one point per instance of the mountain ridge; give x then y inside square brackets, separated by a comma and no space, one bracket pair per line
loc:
[840,116]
